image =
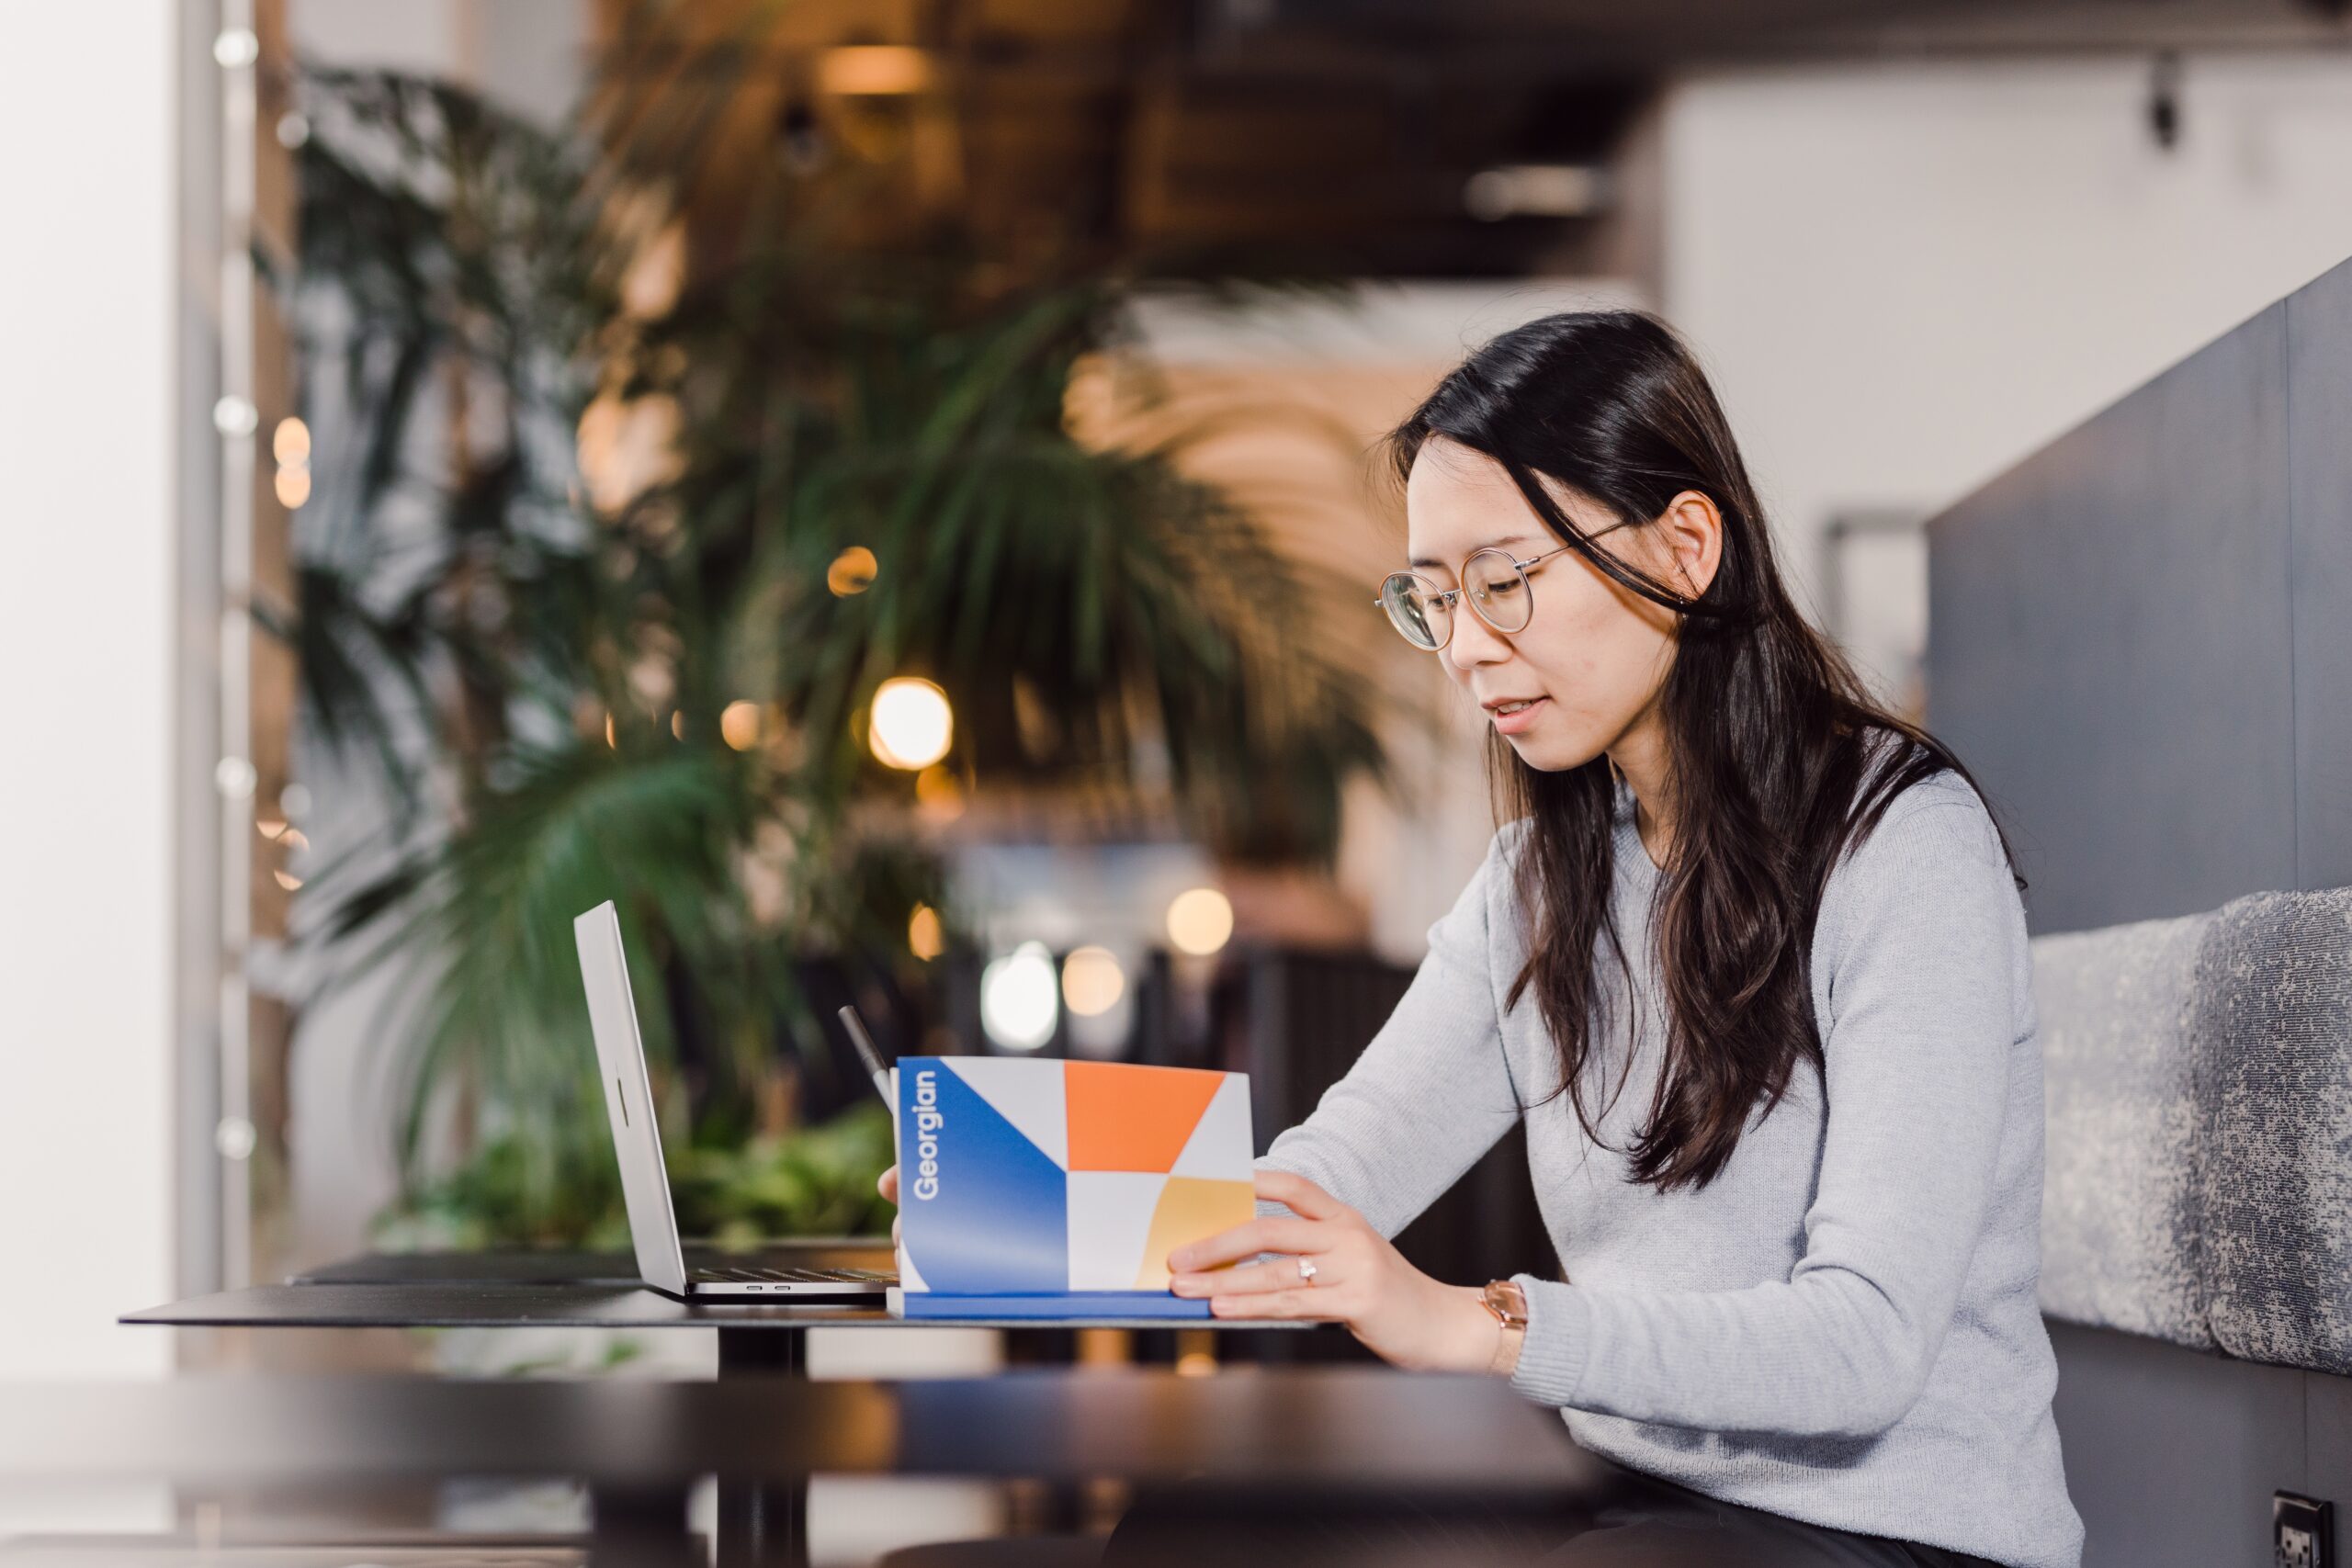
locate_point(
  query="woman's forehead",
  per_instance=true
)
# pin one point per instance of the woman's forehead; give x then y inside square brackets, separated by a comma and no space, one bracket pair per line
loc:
[1457,500]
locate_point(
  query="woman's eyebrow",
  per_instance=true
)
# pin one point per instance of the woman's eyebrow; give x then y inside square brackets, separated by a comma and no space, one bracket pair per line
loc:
[1418,561]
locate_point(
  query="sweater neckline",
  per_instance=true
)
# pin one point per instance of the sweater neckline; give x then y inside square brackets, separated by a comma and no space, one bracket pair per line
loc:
[1630,851]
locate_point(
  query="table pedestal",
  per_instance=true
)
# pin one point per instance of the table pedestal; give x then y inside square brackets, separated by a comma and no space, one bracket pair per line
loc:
[762,1523]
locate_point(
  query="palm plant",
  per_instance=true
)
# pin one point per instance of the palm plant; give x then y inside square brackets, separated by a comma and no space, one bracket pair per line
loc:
[574,690]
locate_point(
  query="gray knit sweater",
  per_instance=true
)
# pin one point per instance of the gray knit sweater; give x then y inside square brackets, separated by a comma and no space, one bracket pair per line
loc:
[1842,1326]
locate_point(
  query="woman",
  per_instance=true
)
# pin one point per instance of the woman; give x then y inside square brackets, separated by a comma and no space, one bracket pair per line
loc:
[1751,965]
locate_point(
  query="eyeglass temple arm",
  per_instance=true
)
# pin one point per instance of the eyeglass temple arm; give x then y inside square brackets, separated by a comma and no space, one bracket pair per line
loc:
[1381,601]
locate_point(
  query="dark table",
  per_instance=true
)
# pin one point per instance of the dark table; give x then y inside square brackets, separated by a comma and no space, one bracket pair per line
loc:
[760,1518]
[753,1335]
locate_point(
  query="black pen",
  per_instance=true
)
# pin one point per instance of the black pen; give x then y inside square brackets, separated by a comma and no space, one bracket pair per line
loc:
[869,1055]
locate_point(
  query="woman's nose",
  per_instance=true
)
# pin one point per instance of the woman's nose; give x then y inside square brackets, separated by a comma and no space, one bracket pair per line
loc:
[1474,642]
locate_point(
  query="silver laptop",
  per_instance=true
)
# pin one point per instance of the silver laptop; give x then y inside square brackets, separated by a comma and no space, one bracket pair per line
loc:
[645,1182]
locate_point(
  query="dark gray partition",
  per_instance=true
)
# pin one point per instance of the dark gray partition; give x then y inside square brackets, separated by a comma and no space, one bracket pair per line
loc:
[2140,640]
[2172,1454]
[2319,441]
[2109,648]
[2140,637]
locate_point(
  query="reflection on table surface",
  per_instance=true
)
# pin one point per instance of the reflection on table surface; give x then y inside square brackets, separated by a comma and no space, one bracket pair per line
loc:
[1288,1465]
[1351,1425]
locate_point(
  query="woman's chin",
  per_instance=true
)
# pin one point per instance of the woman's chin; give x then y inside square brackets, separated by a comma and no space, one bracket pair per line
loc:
[1549,753]
[1536,753]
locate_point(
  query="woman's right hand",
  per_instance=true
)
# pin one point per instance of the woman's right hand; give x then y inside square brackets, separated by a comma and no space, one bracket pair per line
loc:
[889,1187]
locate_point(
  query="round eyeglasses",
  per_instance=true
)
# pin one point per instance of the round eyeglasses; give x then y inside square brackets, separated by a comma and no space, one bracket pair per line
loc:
[1493,579]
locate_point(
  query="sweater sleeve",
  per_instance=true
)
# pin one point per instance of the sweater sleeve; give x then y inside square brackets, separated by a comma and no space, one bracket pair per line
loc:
[1430,1094]
[1921,927]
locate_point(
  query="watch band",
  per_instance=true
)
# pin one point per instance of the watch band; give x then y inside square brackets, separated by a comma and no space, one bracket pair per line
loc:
[1508,1303]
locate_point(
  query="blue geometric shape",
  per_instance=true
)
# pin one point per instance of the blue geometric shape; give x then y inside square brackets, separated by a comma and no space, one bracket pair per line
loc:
[1062,1304]
[991,1216]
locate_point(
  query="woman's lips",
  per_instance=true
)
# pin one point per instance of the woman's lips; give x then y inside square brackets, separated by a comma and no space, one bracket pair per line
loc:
[1513,723]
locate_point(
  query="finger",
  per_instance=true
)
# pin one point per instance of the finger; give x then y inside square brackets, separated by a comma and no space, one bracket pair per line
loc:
[1271,1234]
[887,1184]
[1282,1303]
[1248,1278]
[1301,1197]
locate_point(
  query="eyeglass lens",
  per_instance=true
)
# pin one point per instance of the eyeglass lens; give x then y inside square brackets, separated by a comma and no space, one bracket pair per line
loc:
[1498,590]
[1491,580]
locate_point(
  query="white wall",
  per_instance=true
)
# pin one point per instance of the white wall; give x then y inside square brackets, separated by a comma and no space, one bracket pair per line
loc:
[87,102]
[1906,277]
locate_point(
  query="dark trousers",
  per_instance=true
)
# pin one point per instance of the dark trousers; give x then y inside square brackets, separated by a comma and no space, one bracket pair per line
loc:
[1649,1524]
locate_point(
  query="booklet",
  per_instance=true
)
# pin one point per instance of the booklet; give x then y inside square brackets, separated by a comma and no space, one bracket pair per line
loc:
[1052,1189]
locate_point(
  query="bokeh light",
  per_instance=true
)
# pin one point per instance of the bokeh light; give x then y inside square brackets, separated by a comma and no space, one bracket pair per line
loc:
[739,725]
[291,443]
[1019,1004]
[938,794]
[1092,981]
[853,571]
[925,938]
[1200,921]
[911,724]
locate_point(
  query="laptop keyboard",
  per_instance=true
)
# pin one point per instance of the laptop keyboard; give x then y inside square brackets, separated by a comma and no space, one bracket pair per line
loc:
[795,1276]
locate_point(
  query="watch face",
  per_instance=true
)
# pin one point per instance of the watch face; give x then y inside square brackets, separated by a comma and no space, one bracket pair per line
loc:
[1507,1302]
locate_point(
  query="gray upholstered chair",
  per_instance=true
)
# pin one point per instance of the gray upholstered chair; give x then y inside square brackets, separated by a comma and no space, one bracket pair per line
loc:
[2119,1200]
[2198,1086]
[2272,1027]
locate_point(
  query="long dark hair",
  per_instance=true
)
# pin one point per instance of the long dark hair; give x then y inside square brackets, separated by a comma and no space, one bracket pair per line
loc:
[1780,760]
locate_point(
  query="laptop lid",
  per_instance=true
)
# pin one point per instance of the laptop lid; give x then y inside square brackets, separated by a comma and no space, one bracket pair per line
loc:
[628,1099]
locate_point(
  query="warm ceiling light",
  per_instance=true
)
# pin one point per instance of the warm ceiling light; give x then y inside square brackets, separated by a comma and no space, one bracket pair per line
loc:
[291,443]
[853,571]
[739,725]
[293,485]
[873,70]
[1535,190]
[911,725]
[1200,921]
[925,939]
[1092,981]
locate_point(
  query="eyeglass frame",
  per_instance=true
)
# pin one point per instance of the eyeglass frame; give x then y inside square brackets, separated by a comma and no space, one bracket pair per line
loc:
[1446,597]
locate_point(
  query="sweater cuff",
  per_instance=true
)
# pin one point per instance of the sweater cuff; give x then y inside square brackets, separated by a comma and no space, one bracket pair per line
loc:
[1269,1208]
[1552,1356]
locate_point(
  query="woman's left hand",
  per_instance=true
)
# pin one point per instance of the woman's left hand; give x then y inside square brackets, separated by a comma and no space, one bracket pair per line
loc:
[1360,1280]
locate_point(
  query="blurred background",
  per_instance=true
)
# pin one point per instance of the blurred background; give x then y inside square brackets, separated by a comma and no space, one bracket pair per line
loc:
[885,492]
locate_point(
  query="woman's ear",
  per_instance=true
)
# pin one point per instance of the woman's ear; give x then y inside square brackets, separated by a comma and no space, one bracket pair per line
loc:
[1694,532]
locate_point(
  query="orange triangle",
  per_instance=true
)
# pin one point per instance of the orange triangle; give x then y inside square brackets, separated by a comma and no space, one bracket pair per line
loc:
[1124,1117]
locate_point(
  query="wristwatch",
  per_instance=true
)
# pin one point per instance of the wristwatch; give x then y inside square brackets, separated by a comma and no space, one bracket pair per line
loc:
[1508,1303]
